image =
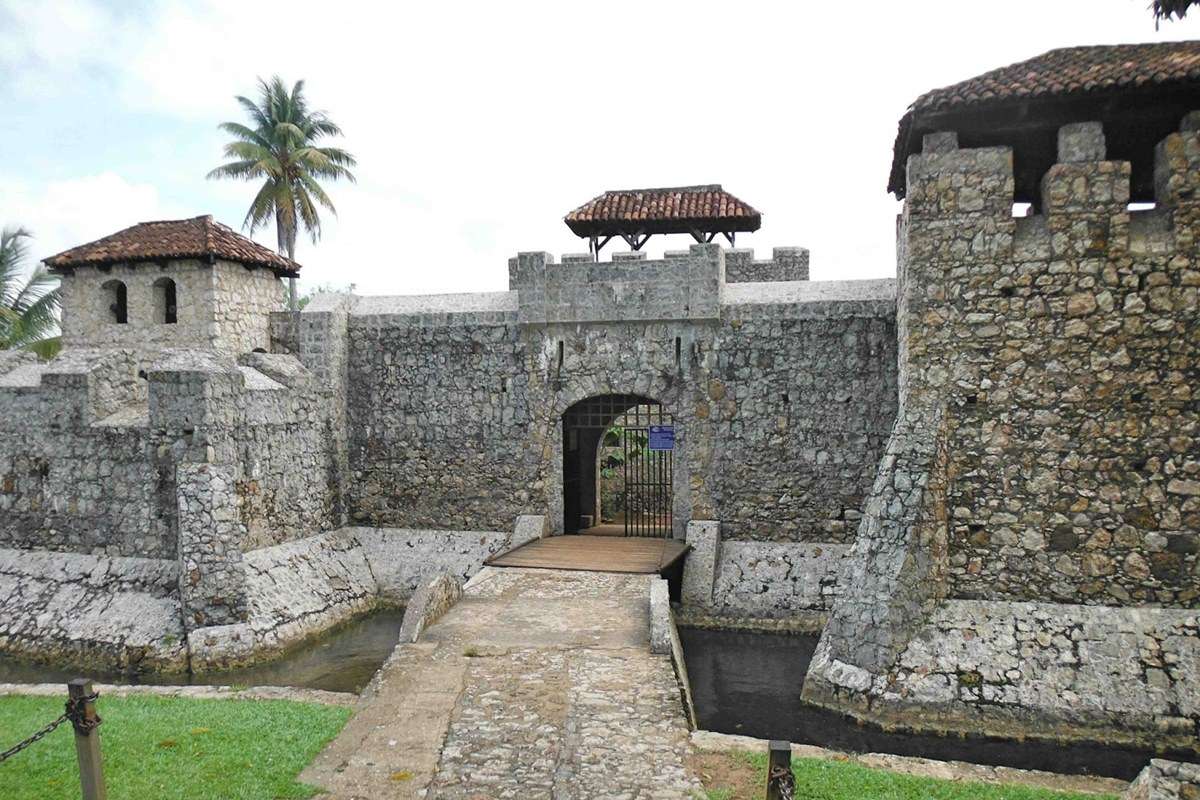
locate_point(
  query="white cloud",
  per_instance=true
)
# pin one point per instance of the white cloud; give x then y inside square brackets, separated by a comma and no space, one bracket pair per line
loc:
[478,125]
[64,213]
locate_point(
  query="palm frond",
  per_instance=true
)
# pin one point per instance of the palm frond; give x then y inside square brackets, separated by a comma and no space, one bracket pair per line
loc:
[14,249]
[262,208]
[46,348]
[30,301]
[1168,9]
[314,188]
[245,134]
[308,213]
[39,284]
[278,147]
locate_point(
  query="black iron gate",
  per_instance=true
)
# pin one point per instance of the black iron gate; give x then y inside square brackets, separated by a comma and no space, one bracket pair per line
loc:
[648,437]
[646,467]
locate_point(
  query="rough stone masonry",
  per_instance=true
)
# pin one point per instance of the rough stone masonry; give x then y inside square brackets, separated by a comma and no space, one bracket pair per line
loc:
[981,474]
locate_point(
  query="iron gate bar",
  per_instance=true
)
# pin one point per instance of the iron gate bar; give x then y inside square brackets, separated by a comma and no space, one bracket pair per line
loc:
[648,474]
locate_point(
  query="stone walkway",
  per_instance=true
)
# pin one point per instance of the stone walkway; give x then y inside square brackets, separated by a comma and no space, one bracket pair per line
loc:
[537,684]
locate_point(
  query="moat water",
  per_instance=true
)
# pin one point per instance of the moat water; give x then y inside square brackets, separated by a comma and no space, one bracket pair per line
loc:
[749,684]
[341,661]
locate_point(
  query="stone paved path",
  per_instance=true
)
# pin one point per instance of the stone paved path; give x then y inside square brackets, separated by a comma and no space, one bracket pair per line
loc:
[537,684]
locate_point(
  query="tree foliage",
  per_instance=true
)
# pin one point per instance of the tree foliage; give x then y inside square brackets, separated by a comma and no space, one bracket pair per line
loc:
[280,147]
[1172,9]
[30,300]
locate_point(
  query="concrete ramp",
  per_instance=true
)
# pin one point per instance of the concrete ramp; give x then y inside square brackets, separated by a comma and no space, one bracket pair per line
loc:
[536,684]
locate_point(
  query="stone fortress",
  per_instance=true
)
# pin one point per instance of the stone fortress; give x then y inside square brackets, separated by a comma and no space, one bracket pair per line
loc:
[980,480]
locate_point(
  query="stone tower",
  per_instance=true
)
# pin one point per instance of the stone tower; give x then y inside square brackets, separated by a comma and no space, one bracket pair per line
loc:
[190,283]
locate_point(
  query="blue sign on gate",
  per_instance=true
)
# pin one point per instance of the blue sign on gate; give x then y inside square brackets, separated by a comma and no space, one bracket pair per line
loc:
[662,437]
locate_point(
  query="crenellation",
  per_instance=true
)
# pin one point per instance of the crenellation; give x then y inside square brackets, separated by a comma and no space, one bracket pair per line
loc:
[785,264]
[1081,142]
[1177,167]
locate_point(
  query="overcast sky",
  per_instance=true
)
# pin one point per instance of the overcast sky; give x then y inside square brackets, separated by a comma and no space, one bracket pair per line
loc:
[477,126]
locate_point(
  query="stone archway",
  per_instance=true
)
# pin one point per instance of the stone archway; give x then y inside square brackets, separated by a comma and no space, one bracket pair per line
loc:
[648,474]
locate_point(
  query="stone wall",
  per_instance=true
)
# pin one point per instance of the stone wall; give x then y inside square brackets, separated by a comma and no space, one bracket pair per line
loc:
[1165,780]
[220,305]
[801,397]
[736,580]
[785,264]
[80,470]
[1016,669]
[628,288]
[1064,344]
[195,457]
[76,609]
[782,402]
[398,573]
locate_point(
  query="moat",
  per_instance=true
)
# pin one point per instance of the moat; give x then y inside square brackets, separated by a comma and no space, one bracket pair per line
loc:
[749,684]
[341,661]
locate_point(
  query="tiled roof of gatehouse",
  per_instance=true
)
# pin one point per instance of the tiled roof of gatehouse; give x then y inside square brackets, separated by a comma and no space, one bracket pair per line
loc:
[678,209]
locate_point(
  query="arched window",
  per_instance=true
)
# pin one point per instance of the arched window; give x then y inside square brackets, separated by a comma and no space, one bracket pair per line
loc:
[115,300]
[164,301]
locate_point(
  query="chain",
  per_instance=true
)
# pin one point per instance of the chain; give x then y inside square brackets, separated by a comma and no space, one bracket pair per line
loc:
[74,712]
[19,746]
[784,781]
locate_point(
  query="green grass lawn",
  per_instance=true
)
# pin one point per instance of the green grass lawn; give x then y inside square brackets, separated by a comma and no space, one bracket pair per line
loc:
[170,748]
[741,778]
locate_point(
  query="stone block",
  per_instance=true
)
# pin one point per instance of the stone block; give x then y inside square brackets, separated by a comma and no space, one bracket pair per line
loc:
[528,528]
[939,142]
[660,617]
[433,599]
[700,565]
[1081,141]
[220,647]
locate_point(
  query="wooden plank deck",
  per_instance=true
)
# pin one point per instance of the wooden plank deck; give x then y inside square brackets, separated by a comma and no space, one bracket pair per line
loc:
[594,554]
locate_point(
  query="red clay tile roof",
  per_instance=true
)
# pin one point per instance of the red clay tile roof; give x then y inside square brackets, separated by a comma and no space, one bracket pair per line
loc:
[679,209]
[199,237]
[1139,92]
[1073,69]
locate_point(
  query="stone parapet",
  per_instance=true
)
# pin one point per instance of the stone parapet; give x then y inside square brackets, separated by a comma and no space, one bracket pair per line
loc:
[785,264]
[618,291]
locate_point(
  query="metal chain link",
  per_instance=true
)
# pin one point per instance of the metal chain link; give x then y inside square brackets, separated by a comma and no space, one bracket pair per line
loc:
[785,781]
[73,712]
[19,746]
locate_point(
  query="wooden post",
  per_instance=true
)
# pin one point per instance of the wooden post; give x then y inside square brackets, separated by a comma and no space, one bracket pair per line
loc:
[87,744]
[780,782]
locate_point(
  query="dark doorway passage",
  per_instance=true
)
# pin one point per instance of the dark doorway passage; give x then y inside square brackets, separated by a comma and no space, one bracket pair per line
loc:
[611,466]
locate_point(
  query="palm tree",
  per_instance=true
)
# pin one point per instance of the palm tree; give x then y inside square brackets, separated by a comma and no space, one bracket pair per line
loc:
[280,148]
[29,303]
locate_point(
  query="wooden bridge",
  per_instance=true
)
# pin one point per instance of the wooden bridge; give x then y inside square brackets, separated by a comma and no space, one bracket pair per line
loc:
[596,554]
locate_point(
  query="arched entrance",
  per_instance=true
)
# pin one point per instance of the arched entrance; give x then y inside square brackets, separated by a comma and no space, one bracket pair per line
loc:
[638,453]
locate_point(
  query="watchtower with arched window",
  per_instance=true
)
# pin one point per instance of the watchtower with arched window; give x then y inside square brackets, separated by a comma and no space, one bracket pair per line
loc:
[190,283]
